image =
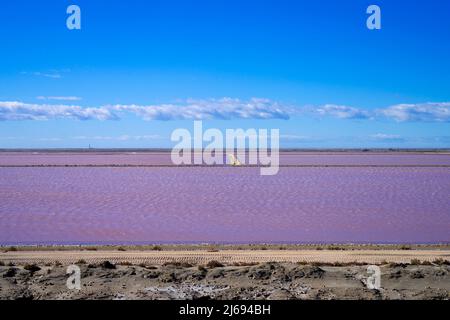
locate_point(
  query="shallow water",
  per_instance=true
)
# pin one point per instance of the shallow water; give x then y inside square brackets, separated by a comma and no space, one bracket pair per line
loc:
[115,205]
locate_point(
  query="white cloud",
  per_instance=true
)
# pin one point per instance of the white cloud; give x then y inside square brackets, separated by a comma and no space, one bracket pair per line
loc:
[14,110]
[59,98]
[387,137]
[50,139]
[93,138]
[294,137]
[140,137]
[425,112]
[53,75]
[341,112]
[48,75]
[225,108]
[120,138]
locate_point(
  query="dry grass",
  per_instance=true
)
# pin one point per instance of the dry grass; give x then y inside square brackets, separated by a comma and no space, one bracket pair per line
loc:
[222,247]
[441,262]
[212,248]
[107,265]
[177,264]
[146,266]
[244,264]
[31,267]
[336,248]
[337,264]
[214,264]
[438,262]
[395,265]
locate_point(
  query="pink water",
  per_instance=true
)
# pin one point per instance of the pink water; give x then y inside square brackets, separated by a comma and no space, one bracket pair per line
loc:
[286,158]
[117,205]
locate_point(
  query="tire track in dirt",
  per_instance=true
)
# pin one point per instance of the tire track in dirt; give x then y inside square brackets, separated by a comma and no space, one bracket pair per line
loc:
[227,257]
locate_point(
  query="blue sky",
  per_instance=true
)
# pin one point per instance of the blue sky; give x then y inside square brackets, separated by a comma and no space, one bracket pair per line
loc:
[137,70]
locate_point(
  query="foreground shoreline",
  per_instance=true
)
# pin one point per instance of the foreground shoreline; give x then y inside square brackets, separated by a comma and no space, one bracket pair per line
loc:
[264,281]
[225,274]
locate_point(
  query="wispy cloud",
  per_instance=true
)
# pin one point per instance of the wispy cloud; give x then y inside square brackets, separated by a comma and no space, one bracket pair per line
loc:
[294,137]
[48,75]
[50,139]
[53,74]
[383,137]
[59,98]
[120,138]
[225,109]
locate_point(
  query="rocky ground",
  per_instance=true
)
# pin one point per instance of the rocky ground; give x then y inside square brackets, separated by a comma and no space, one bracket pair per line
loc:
[278,281]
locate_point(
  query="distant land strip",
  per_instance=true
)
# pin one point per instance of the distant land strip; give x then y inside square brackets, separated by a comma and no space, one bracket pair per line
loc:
[223,166]
[371,151]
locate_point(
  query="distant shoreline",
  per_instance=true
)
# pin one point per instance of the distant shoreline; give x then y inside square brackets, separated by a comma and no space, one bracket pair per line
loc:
[284,150]
[212,247]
